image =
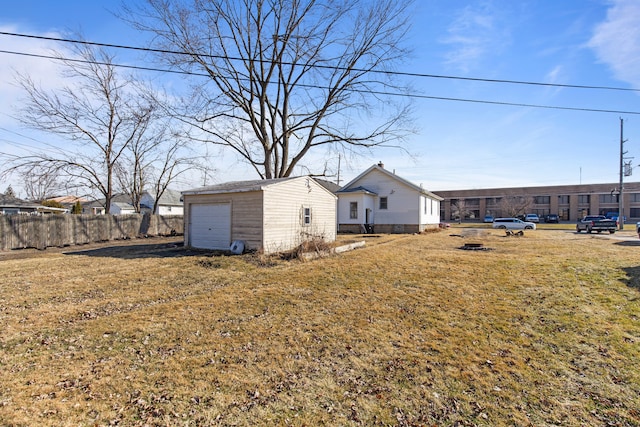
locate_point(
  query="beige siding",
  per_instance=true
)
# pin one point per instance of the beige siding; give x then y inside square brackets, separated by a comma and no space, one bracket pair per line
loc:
[246,215]
[283,206]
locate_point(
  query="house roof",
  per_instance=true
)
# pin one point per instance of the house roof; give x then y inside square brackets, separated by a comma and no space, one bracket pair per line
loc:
[236,186]
[246,186]
[170,197]
[68,199]
[123,205]
[392,176]
[7,201]
[358,189]
[329,185]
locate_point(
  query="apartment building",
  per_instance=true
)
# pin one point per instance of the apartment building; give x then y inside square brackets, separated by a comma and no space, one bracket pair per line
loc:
[569,202]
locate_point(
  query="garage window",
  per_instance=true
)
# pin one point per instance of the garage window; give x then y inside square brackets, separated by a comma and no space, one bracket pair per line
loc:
[306,220]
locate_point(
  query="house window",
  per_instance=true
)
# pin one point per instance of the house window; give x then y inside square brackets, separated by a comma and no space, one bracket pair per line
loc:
[353,210]
[383,203]
[306,216]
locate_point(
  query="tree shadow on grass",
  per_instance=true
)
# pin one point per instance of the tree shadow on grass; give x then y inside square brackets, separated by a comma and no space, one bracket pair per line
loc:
[135,251]
[633,277]
[628,243]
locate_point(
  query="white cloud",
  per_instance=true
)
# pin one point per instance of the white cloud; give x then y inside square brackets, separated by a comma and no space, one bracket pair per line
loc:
[43,71]
[616,41]
[475,33]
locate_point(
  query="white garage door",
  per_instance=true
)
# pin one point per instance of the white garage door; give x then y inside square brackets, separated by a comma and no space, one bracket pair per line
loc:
[210,226]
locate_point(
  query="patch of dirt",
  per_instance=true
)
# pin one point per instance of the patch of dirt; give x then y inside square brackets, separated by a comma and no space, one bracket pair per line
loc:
[129,248]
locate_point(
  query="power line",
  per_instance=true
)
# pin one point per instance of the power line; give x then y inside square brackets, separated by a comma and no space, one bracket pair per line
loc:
[409,95]
[394,73]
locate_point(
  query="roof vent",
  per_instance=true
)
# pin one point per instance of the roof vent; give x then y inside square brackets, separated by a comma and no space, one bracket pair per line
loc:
[380,164]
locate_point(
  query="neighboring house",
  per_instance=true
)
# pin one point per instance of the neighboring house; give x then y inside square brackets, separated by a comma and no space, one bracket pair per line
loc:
[10,205]
[122,208]
[170,203]
[68,201]
[120,205]
[379,200]
[271,215]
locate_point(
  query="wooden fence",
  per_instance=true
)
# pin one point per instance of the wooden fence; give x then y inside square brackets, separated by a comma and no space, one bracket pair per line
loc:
[42,231]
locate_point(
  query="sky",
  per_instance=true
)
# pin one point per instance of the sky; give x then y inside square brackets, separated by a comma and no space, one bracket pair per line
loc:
[473,130]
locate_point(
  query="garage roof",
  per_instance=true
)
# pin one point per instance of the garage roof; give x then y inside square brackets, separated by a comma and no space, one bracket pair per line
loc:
[237,186]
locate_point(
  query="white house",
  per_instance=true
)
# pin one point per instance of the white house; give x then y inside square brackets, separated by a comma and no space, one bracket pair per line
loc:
[379,200]
[271,215]
[170,203]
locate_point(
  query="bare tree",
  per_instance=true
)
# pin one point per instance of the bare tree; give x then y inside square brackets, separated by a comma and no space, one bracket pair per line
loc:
[286,77]
[459,210]
[512,206]
[40,182]
[99,115]
[151,163]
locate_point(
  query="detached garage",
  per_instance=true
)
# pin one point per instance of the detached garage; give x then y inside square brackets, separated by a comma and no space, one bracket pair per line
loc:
[272,215]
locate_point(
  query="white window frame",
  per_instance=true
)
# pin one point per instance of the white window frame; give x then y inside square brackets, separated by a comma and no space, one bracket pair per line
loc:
[353,210]
[306,216]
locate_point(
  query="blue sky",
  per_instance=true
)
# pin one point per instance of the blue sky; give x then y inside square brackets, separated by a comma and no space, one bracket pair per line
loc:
[459,145]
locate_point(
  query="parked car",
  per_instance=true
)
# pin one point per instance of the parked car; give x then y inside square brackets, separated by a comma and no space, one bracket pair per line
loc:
[488,218]
[598,223]
[513,224]
[532,218]
[552,218]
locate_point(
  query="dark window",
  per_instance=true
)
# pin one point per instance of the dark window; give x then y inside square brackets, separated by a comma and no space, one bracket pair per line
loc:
[307,216]
[634,197]
[563,200]
[584,199]
[608,198]
[383,203]
[353,210]
[542,200]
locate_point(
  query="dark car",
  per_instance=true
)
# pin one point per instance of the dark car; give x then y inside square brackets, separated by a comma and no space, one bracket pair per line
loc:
[552,218]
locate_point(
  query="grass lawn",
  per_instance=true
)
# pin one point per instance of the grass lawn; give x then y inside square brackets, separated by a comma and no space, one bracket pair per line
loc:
[538,330]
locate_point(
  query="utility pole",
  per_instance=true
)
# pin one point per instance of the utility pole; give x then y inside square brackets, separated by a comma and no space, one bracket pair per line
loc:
[621,192]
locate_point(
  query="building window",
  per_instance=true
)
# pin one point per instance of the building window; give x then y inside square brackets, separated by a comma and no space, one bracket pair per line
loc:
[563,200]
[608,198]
[634,212]
[383,203]
[307,216]
[634,197]
[353,210]
[584,199]
[542,200]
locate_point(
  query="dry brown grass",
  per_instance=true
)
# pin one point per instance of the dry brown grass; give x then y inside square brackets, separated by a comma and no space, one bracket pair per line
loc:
[541,330]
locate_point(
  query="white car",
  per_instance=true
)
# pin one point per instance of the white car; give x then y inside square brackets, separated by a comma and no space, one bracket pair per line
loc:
[513,224]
